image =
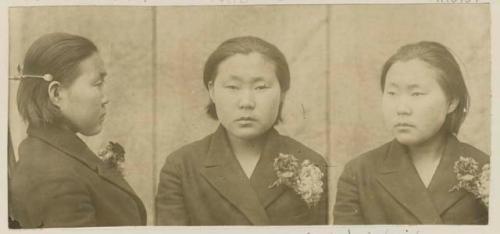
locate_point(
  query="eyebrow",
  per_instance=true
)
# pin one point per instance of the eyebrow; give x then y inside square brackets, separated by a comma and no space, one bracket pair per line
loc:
[414,86]
[393,85]
[254,79]
[411,86]
[100,77]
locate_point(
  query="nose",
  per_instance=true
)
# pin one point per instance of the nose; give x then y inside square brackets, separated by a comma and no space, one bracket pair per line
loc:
[104,100]
[402,107]
[246,100]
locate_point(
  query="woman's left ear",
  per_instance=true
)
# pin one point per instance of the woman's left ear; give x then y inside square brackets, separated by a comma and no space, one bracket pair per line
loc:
[54,91]
[453,105]
[282,97]
[211,89]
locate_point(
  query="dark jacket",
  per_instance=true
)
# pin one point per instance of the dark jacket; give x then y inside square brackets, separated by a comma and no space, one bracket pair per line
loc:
[383,187]
[60,182]
[203,184]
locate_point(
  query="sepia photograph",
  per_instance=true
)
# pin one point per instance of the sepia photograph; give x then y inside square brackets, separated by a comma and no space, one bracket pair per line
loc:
[249,114]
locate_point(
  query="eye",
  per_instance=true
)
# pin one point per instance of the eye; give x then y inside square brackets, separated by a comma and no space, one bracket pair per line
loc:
[417,94]
[99,83]
[232,87]
[390,93]
[261,87]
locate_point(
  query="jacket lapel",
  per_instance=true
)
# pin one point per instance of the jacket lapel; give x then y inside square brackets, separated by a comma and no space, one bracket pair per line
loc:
[400,178]
[444,178]
[114,177]
[224,173]
[69,143]
[264,174]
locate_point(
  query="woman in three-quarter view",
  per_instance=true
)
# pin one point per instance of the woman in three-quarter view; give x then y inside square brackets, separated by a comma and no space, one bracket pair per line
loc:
[58,181]
[410,179]
[229,177]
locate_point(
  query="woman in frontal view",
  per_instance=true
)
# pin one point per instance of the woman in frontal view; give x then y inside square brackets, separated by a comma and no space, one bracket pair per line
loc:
[58,181]
[414,179]
[245,173]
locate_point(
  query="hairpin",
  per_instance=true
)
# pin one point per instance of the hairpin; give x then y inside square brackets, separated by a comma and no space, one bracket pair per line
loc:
[46,77]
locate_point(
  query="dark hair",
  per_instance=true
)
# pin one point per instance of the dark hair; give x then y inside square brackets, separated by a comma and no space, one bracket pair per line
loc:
[451,79]
[246,45]
[59,55]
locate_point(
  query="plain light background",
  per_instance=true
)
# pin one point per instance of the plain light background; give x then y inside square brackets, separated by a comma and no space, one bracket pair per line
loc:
[155,58]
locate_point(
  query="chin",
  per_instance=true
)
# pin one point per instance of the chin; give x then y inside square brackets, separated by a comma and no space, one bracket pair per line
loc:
[247,134]
[91,132]
[407,140]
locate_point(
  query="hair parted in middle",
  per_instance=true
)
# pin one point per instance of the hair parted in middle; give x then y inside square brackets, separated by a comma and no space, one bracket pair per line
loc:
[450,80]
[246,45]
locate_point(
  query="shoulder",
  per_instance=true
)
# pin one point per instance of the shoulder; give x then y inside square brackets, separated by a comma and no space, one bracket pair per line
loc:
[369,159]
[41,165]
[38,157]
[192,152]
[301,151]
[30,147]
[471,151]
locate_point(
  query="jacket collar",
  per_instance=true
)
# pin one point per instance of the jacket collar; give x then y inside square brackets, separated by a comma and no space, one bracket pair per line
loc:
[445,178]
[399,177]
[69,143]
[223,171]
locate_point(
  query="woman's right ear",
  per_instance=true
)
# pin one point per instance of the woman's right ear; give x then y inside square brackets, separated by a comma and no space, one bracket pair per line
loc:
[55,93]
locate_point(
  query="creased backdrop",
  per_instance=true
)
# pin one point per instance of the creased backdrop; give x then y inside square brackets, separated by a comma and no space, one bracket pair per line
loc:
[155,57]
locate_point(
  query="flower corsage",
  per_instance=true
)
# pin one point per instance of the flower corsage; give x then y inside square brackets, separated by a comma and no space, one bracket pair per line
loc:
[473,179]
[304,178]
[113,155]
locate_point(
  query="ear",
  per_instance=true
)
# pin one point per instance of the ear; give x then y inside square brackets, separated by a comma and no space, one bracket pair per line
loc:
[282,97]
[211,89]
[54,90]
[453,105]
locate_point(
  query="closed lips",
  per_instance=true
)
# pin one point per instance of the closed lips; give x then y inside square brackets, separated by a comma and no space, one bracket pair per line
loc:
[246,119]
[404,125]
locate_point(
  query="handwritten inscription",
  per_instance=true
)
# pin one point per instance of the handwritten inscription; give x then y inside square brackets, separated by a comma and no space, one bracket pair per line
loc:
[458,1]
[365,231]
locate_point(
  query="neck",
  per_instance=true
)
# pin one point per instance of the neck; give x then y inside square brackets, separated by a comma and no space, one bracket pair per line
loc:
[247,146]
[66,127]
[430,149]
[65,124]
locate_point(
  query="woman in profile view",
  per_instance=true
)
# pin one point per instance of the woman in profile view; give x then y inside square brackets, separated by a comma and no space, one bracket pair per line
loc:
[58,181]
[410,179]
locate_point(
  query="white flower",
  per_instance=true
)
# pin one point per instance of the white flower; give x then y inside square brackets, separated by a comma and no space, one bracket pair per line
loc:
[472,179]
[483,187]
[467,177]
[305,179]
[310,183]
[113,155]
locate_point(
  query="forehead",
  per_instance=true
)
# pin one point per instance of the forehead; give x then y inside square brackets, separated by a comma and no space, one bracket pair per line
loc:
[92,64]
[413,72]
[246,66]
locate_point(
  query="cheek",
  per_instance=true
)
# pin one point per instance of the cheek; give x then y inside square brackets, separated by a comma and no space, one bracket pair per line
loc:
[224,102]
[438,104]
[86,100]
[388,109]
[270,99]
[222,97]
[434,113]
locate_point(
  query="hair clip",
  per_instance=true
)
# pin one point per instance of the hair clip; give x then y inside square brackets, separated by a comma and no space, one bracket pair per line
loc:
[46,77]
